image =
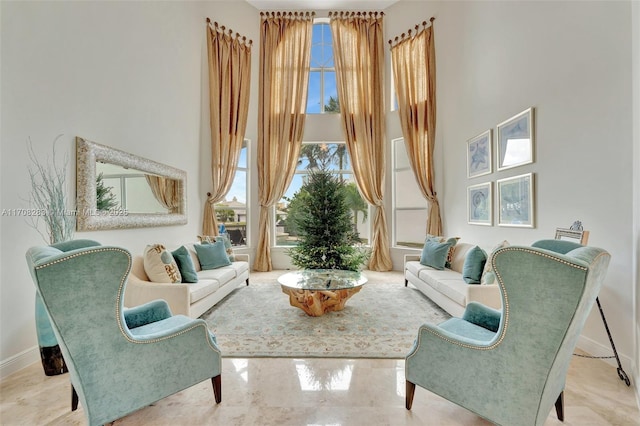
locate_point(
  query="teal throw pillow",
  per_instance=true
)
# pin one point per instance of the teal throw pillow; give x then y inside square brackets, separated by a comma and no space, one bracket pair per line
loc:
[212,255]
[227,243]
[434,253]
[185,265]
[474,265]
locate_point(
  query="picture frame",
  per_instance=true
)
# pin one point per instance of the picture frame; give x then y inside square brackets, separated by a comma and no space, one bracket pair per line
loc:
[516,201]
[515,141]
[479,154]
[480,204]
[576,236]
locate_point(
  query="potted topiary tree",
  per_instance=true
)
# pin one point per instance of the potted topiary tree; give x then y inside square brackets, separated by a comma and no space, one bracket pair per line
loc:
[326,239]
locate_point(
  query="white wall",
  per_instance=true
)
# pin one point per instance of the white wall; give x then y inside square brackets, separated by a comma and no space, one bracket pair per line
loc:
[571,61]
[635,7]
[125,74]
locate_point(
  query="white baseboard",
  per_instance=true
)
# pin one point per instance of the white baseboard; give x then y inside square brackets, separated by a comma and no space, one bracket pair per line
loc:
[597,349]
[19,361]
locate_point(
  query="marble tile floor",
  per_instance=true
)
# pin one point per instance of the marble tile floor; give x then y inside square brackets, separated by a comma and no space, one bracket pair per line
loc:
[313,392]
[287,391]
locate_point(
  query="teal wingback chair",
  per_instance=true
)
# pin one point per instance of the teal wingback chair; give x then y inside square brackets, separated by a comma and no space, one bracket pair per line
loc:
[510,366]
[119,359]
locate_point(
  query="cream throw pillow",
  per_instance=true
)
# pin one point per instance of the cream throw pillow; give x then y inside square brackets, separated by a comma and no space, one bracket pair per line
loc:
[160,266]
[488,274]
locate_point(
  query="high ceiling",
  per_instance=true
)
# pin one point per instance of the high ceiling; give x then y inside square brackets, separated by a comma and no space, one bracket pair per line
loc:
[321,4]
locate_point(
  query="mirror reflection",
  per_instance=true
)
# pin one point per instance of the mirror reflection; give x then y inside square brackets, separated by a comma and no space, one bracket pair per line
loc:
[133,190]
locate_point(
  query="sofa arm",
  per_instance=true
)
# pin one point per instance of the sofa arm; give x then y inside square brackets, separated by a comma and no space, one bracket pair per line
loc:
[482,316]
[411,257]
[487,294]
[138,292]
[241,257]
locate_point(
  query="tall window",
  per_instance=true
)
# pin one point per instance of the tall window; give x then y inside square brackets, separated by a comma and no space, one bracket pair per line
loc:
[323,94]
[409,206]
[233,211]
[334,157]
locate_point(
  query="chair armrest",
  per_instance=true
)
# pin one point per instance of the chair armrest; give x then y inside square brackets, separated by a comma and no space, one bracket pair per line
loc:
[483,316]
[156,310]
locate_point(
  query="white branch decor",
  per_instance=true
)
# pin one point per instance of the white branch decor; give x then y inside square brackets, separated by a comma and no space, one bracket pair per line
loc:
[48,198]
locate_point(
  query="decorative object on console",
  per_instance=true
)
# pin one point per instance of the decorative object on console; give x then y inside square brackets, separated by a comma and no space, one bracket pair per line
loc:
[479,204]
[574,233]
[577,232]
[515,141]
[479,155]
[49,194]
[516,201]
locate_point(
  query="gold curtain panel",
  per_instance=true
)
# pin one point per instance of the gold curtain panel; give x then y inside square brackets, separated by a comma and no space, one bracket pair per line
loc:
[229,60]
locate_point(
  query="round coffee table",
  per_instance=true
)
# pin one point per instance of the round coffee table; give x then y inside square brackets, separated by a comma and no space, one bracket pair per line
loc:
[317,291]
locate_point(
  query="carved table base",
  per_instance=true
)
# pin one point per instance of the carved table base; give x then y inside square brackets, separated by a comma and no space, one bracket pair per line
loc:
[318,302]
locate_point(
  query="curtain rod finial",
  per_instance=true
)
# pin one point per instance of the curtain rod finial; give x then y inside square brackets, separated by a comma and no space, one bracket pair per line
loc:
[432,19]
[208,20]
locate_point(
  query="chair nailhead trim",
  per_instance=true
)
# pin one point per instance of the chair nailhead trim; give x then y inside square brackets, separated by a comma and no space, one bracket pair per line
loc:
[119,298]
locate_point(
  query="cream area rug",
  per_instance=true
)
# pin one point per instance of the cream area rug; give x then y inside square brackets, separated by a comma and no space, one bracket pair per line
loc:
[380,321]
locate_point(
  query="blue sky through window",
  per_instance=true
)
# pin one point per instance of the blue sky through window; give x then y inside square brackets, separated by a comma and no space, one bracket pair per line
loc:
[322,78]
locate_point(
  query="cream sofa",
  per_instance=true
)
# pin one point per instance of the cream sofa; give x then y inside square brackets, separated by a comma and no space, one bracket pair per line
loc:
[193,299]
[446,287]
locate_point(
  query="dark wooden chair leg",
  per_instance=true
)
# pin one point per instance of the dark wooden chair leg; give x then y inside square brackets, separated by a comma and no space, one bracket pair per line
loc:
[411,390]
[217,388]
[560,406]
[74,399]
[247,281]
[406,282]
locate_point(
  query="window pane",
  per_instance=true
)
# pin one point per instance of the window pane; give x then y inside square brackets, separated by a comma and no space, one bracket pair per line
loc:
[333,156]
[407,192]
[242,160]
[400,154]
[314,96]
[410,227]
[331,103]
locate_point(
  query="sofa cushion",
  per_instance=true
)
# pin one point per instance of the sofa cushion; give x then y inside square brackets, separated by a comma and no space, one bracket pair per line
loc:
[434,253]
[185,265]
[203,288]
[160,266]
[474,265]
[212,255]
[222,275]
[454,289]
[239,267]
[415,267]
